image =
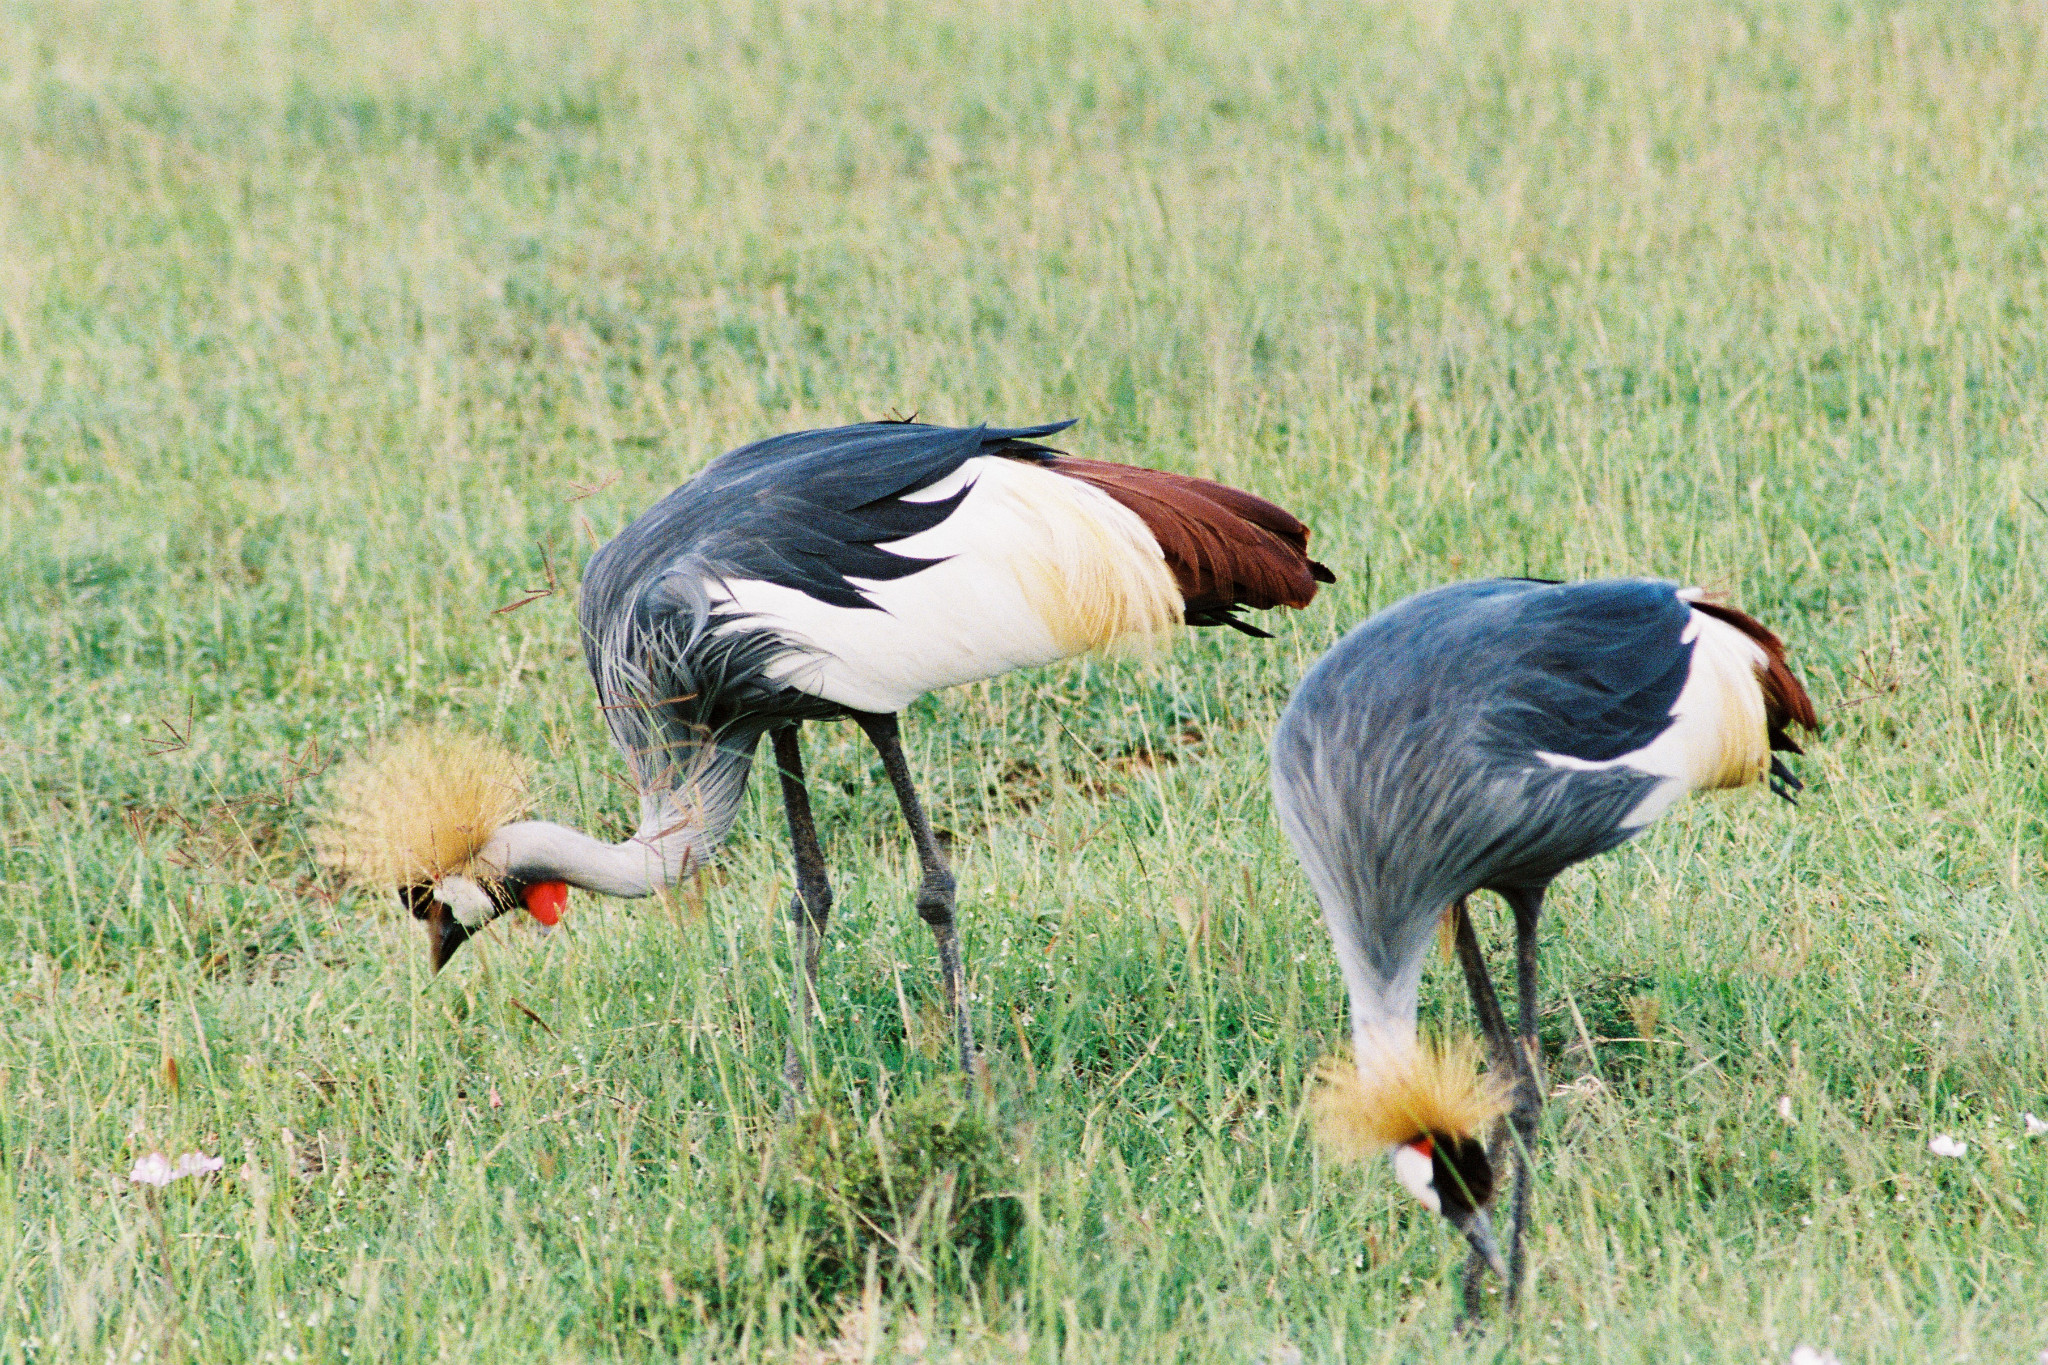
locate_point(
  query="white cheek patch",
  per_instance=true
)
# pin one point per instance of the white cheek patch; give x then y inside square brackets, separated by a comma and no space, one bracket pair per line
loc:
[472,908]
[1416,1174]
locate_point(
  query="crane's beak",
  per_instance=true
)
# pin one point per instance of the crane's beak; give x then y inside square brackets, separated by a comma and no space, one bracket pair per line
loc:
[1478,1231]
[445,934]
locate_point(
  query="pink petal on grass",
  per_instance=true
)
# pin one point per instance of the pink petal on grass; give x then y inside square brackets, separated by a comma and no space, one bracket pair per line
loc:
[2035,1128]
[156,1168]
[1941,1144]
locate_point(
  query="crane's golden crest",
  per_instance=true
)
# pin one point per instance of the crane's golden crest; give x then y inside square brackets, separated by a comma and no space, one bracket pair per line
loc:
[1436,1088]
[418,806]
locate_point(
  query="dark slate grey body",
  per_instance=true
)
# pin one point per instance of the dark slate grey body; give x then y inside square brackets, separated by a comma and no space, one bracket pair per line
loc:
[684,687]
[1405,768]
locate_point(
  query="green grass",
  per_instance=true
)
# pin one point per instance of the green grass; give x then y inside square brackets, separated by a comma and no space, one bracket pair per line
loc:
[324,330]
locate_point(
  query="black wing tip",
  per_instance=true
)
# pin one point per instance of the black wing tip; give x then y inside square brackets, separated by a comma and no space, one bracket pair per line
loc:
[1031,432]
[1015,441]
[1226,616]
[1320,572]
[1784,783]
[1782,741]
[987,433]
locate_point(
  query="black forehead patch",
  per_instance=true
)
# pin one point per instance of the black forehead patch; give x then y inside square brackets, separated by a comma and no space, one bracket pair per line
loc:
[1462,1174]
[418,898]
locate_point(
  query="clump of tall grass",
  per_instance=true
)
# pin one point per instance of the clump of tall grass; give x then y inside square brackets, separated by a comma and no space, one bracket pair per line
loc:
[917,1189]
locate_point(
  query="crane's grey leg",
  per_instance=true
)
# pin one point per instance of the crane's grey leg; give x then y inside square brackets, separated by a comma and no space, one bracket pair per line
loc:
[809,907]
[1500,1046]
[1501,1050]
[935,893]
[1528,1111]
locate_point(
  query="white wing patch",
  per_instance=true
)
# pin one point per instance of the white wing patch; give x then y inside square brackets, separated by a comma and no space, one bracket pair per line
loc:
[1719,735]
[1035,567]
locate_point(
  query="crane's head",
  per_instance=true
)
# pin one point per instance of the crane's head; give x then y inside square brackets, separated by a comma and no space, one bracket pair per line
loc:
[416,814]
[1426,1108]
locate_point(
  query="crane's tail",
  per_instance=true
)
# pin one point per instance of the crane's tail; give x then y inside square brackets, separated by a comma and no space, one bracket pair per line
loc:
[1431,1088]
[1786,702]
[1227,549]
[417,806]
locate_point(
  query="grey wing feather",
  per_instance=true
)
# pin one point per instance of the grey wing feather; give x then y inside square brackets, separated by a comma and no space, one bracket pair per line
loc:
[686,688]
[807,511]
[687,696]
[1590,670]
[1405,766]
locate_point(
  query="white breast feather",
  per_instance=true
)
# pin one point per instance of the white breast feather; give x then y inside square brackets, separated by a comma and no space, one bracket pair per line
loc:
[1719,734]
[1036,567]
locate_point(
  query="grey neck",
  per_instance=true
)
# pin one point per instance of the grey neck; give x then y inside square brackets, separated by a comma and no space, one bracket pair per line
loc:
[668,844]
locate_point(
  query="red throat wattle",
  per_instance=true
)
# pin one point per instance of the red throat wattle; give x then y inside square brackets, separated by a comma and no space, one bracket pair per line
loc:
[545,901]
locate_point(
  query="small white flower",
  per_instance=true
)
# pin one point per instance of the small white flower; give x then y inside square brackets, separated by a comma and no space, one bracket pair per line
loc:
[1941,1144]
[2036,1128]
[156,1168]
[1785,1109]
[1807,1355]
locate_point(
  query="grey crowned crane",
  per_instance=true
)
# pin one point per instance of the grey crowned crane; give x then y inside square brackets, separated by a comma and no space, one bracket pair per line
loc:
[1486,736]
[811,576]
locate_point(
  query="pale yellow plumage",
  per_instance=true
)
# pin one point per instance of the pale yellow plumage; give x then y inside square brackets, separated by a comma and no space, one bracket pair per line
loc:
[419,806]
[1435,1088]
[1095,576]
[1727,676]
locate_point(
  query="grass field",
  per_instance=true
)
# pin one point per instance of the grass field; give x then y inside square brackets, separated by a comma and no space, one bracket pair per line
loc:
[327,329]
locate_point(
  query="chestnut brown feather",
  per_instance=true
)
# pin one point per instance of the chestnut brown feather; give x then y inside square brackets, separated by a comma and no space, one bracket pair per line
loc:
[1227,549]
[1785,699]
